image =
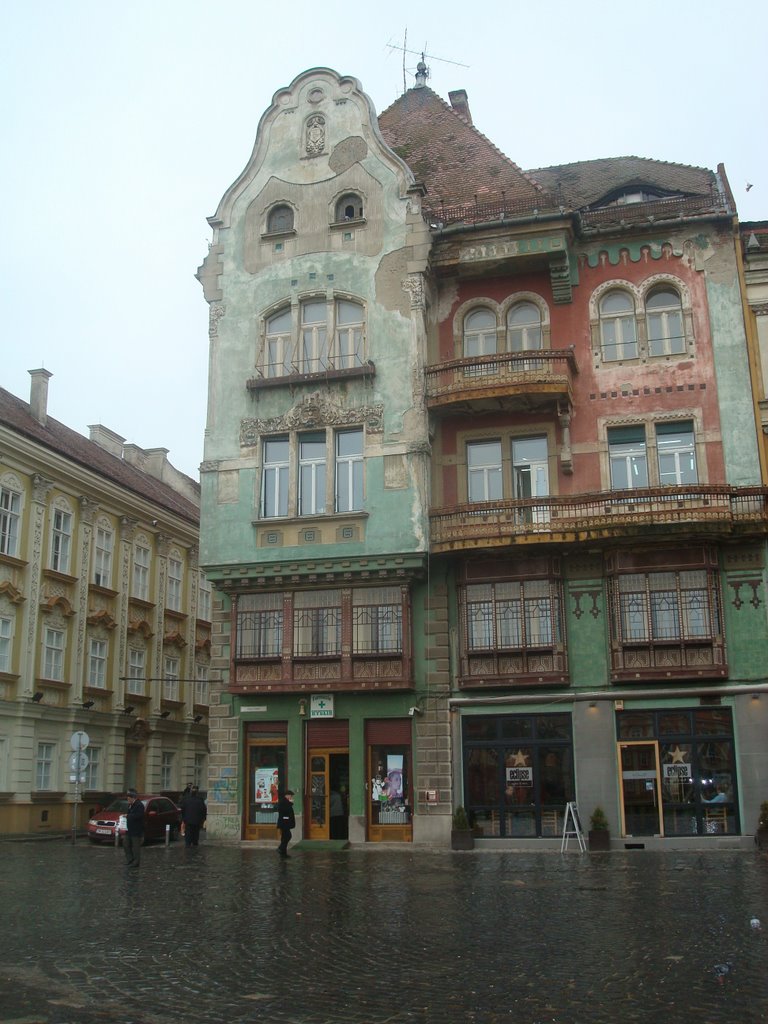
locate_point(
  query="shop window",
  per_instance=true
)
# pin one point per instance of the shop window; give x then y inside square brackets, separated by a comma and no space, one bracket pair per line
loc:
[267,780]
[389,785]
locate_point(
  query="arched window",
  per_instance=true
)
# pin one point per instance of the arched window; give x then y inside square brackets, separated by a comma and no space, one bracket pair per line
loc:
[618,331]
[350,318]
[664,322]
[524,327]
[280,219]
[349,207]
[279,345]
[480,333]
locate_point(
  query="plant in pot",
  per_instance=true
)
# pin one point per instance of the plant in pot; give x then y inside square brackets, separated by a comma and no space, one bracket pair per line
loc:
[761,836]
[462,837]
[599,835]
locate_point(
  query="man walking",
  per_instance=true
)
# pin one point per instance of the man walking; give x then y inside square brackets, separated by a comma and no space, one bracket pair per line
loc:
[286,820]
[193,815]
[134,824]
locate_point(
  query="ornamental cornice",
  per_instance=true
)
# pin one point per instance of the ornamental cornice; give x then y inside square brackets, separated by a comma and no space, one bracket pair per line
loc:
[13,594]
[315,410]
[101,618]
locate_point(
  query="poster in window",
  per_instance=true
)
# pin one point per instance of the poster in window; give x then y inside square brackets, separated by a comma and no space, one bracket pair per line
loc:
[265,784]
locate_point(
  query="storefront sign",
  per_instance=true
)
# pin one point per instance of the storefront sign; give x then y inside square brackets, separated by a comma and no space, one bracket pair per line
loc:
[638,775]
[252,707]
[519,776]
[320,707]
[677,771]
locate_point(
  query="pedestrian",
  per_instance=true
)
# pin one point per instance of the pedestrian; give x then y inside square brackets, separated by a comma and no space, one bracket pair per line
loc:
[286,820]
[134,830]
[193,815]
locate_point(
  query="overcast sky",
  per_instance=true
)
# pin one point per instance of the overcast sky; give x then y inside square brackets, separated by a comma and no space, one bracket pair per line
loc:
[123,125]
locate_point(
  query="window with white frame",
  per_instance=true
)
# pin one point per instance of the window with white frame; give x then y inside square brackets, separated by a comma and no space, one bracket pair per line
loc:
[618,326]
[44,766]
[201,685]
[676,450]
[628,458]
[315,336]
[6,636]
[167,769]
[320,459]
[312,466]
[92,772]
[484,470]
[61,540]
[137,660]
[175,581]
[141,562]
[53,654]
[631,467]
[204,599]
[103,546]
[524,327]
[171,677]
[664,322]
[97,663]
[10,516]
[199,774]
[349,470]
[274,477]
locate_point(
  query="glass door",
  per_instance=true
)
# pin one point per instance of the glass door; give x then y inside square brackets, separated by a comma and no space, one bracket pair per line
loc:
[328,793]
[640,793]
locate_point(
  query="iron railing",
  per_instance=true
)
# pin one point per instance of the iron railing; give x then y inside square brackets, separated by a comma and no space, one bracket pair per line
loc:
[464,377]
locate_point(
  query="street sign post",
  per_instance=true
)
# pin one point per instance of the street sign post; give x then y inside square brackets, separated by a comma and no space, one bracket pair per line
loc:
[78,762]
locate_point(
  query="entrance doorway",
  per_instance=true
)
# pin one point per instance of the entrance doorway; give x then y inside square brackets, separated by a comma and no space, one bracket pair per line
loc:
[328,793]
[640,790]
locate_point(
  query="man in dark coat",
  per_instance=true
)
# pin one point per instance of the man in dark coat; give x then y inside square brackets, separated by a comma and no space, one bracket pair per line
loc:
[134,823]
[286,820]
[193,814]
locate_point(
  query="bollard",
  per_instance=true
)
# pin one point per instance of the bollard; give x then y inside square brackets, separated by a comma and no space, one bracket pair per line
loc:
[117,834]
[167,835]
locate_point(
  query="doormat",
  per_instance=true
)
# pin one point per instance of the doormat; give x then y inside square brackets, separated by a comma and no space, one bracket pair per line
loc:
[321,844]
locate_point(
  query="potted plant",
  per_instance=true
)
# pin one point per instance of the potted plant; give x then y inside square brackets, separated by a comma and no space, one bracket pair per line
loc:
[462,837]
[761,836]
[599,835]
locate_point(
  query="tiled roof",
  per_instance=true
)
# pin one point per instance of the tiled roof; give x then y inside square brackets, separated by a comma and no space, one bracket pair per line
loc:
[16,415]
[455,161]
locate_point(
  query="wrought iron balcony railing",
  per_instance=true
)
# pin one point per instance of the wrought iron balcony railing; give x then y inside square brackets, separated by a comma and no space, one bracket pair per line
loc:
[511,372]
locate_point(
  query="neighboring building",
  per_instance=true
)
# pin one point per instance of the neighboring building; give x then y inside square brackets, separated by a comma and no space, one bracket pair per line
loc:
[754,242]
[104,619]
[482,485]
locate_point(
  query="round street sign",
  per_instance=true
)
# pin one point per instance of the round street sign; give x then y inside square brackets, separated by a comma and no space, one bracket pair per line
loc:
[79,740]
[78,762]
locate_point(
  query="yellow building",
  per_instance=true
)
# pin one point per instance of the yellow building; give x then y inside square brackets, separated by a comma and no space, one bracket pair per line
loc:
[104,619]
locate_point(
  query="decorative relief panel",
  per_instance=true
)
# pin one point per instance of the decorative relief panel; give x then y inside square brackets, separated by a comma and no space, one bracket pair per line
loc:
[315,135]
[315,410]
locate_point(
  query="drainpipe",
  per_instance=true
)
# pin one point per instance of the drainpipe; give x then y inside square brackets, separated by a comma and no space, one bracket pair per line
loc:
[593,696]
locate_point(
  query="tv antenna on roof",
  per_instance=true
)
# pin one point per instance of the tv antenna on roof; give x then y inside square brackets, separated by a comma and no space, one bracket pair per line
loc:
[423,55]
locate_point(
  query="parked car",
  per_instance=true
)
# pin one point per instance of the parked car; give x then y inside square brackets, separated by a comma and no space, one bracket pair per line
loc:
[159,811]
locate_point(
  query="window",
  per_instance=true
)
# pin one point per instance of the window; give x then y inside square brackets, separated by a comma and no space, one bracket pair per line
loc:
[317,623]
[171,679]
[313,353]
[377,621]
[92,773]
[136,669]
[280,219]
[102,557]
[61,540]
[664,323]
[279,345]
[349,471]
[10,511]
[175,575]
[97,664]
[199,774]
[348,339]
[618,330]
[311,474]
[511,615]
[480,333]
[204,600]
[663,606]
[259,626]
[317,336]
[524,327]
[44,763]
[201,684]
[166,769]
[274,487]
[529,467]
[53,654]
[141,557]
[349,207]
[627,457]
[6,626]
[676,453]
[484,471]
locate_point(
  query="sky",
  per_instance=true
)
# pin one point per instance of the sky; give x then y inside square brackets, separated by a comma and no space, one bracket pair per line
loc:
[124,124]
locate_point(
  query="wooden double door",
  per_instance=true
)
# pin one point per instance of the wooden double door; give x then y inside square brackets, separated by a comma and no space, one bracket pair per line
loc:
[328,793]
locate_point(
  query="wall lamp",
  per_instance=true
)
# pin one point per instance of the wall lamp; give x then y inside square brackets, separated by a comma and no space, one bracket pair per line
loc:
[128,709]
[88,704]
[38,696]
[197,719]
[302,708]
[165,714]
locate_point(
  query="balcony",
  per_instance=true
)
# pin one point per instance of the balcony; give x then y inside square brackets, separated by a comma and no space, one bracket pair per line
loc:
[506,380]
[720,511]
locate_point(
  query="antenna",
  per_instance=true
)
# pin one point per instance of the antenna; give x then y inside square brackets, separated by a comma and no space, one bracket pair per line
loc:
[422,54]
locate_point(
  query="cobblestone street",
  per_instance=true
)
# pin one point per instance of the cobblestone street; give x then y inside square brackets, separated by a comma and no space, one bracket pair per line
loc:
[224,934]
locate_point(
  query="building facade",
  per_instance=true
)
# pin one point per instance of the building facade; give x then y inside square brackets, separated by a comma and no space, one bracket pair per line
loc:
[104,620]
[482,486]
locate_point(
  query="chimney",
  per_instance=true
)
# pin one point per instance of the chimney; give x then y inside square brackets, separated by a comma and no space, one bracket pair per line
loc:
[106,439]
[460,104]
[38,395]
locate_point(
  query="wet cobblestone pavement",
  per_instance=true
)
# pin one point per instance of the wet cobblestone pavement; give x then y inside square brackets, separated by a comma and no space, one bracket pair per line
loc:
[222,934]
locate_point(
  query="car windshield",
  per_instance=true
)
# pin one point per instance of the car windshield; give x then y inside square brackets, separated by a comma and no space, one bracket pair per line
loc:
[118,805]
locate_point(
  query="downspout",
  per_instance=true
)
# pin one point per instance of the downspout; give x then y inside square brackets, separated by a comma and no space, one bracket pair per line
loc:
[594,696]
[753,351]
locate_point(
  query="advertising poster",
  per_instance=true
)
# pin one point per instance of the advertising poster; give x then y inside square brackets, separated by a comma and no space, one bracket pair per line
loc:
[265,782]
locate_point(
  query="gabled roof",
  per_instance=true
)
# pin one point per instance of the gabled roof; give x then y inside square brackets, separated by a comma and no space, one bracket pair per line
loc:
[456,162]
[56,437]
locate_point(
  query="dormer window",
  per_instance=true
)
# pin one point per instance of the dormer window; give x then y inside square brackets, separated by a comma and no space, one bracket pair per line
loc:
[280,219]
[349,207]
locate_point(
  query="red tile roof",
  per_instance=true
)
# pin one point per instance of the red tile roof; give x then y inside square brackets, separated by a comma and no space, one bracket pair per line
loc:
[58,438]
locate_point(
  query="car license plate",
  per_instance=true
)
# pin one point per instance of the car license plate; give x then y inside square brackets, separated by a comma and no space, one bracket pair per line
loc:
[104,831]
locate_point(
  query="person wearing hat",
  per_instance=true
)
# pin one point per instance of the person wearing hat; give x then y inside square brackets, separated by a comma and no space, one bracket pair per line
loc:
[134,825]
[286,820]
